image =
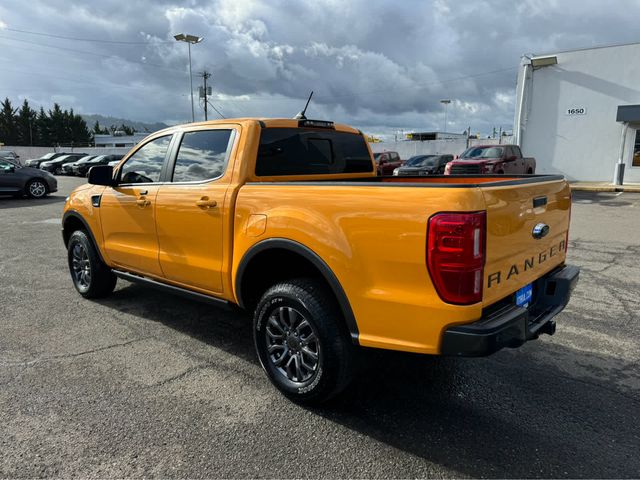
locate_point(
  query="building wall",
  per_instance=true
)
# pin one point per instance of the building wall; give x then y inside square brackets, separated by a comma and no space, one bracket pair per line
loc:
[582,147]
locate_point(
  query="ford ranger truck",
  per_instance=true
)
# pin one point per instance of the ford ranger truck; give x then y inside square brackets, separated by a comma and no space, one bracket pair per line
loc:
[499,159]
[288,220]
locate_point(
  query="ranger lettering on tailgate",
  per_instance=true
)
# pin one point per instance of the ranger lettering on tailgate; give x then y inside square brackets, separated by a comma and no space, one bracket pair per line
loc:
[527,264]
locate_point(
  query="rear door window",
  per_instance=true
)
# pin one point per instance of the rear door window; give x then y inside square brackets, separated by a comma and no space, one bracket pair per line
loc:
[297,151]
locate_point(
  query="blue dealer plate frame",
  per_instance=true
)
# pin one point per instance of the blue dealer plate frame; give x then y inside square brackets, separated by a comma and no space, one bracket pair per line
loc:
[524,295]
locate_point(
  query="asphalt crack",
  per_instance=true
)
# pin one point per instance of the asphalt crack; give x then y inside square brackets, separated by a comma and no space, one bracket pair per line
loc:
[28,363]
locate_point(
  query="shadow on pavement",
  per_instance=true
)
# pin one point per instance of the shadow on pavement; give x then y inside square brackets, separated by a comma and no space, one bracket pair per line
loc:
[608,199]
[509,415]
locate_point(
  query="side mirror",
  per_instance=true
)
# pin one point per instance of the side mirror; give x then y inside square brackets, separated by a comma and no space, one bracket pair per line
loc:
[102,175]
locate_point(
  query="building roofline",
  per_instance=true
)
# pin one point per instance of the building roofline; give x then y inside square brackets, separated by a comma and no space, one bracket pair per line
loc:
[597,47]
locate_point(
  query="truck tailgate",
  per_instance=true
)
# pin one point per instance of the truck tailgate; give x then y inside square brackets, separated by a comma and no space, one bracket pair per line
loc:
[515,254]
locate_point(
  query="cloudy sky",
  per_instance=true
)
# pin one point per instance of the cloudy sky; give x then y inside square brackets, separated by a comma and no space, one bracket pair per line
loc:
[382,66]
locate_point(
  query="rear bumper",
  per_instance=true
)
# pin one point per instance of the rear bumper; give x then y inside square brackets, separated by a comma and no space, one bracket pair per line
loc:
[511,326]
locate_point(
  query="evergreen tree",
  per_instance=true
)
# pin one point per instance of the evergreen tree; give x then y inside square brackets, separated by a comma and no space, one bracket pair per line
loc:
[78,130]
[127,130]
[8,128]
[26,124]
[43,130]
[57,125]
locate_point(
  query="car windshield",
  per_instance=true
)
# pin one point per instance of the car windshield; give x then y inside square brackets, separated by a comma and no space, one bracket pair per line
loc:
[63,157]
[482,152]
[421,161]
[47,156]
[85,159]
[97,159]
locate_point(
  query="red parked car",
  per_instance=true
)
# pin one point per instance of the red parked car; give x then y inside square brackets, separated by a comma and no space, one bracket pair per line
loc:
[491,159]
[387,162]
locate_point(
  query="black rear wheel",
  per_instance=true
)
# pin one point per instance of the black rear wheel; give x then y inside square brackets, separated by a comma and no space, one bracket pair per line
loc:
[91,277]
[301,342]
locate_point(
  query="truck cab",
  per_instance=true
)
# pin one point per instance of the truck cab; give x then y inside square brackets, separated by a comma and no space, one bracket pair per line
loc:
[387,162]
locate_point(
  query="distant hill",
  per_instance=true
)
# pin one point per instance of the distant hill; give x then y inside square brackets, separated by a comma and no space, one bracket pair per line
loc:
[105,121]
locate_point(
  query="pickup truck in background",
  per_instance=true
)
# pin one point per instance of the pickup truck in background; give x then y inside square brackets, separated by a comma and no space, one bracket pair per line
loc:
[499,159]
[288,220]
[387,162]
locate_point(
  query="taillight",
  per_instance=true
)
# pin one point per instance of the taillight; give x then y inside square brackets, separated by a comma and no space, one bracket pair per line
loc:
[455,255]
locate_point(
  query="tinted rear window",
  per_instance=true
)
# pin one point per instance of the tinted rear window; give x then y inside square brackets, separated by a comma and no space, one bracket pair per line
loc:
[296,151]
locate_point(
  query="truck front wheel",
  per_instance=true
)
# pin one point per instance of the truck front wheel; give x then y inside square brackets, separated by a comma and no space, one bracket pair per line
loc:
[91,277]
[300,342]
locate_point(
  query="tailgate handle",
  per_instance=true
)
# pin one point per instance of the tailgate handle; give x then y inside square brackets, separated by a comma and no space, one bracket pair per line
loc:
[539,202]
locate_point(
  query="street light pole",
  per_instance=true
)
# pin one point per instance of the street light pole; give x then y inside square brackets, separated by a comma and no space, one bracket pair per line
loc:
[193,114]
[445,103]
[189,39]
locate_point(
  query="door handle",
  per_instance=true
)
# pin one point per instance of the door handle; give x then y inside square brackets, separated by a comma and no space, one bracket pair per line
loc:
[142,201]
[204,202]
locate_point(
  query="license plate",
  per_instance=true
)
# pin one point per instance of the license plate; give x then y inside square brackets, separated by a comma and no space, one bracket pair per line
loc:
[523,296]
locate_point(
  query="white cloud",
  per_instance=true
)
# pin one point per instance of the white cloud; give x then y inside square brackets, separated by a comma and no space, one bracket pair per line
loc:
[375,64]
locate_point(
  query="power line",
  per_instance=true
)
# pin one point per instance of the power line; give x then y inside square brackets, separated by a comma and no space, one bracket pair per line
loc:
[77,39]
[83,52]
[217,111]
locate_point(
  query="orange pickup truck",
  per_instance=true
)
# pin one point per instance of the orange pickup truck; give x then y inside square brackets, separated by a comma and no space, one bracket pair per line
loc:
[288,220]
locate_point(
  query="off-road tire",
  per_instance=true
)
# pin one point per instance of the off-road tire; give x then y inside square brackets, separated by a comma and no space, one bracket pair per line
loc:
[91,277]
[336,354]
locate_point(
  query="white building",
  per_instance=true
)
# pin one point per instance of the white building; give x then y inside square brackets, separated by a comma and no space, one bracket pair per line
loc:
[118,140]
[578,112]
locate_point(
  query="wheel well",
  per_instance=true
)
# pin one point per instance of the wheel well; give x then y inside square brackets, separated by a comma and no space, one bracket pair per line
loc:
[46,185]
[71,224]
[270,267]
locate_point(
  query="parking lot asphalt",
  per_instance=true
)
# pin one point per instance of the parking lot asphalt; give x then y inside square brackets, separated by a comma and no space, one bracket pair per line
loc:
[147,384]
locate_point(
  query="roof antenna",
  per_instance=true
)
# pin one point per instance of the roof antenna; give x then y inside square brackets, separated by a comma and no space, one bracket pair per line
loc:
[300,115]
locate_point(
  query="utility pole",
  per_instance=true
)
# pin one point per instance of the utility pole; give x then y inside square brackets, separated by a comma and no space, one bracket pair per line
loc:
[204,91]
[445,102]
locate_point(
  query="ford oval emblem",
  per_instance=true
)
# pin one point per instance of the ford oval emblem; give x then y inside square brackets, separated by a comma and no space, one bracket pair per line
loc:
[540,230]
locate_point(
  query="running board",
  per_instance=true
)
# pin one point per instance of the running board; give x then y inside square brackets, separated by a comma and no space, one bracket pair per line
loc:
[183,292]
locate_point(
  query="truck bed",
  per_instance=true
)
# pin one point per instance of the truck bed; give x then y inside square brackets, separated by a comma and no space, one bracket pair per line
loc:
[374,239]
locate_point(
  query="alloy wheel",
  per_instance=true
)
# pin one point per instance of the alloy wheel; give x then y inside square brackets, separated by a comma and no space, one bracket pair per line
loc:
[292,344]
[81,266]
[37,189]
